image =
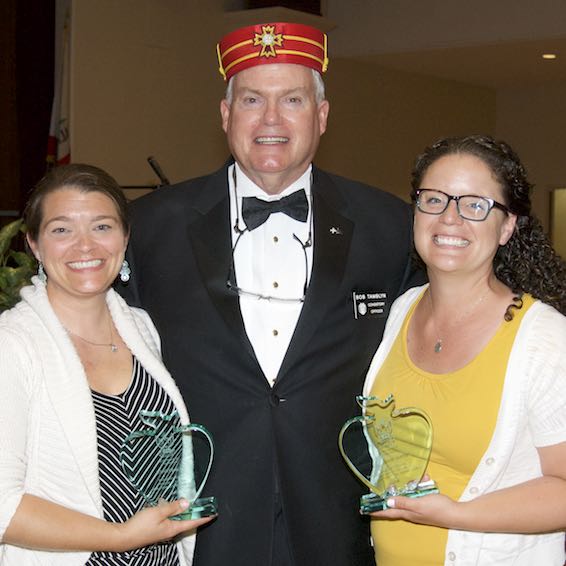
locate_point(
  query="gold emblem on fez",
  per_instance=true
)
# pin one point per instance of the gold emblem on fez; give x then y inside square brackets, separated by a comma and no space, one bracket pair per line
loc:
[268,40]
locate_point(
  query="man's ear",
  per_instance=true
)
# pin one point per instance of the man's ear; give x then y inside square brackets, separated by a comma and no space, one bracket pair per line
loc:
[323,111]
[225,113]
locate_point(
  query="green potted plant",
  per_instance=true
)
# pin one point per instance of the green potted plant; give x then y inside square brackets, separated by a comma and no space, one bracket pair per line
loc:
[16,268]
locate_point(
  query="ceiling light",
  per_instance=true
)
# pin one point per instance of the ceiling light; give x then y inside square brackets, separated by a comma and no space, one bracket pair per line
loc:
[549,55]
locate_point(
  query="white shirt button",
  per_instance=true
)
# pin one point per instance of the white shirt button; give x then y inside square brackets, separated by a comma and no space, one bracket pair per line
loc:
[474,490]
[452,556]
[490,461]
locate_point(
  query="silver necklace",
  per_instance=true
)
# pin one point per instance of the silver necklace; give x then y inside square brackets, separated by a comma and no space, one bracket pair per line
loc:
[439,343]
[111,344]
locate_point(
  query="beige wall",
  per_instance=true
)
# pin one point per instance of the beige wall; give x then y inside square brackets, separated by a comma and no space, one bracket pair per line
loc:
[381,119]
[558,220]
[407,25]
[145,82]
[533,121]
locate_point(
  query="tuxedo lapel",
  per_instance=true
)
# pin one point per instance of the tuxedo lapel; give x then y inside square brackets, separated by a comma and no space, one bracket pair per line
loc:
[209,233]
[332,238]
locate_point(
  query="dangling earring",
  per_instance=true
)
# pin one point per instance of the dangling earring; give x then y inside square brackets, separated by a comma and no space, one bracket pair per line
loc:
[125,272]
[41,275]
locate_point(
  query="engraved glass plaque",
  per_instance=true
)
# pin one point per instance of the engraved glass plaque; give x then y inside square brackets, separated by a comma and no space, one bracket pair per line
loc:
[388,450]
[160,462]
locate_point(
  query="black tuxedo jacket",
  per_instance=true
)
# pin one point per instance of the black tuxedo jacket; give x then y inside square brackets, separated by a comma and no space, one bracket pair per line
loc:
[274,446]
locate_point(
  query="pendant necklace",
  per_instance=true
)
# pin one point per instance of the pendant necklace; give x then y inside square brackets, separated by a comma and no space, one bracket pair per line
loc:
[111,345]
[464,316]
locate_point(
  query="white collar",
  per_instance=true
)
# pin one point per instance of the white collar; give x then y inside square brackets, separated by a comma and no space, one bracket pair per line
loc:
[247,188]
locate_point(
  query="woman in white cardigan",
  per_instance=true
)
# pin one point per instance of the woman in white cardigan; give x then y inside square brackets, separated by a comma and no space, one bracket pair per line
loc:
[69,341]
[482,350]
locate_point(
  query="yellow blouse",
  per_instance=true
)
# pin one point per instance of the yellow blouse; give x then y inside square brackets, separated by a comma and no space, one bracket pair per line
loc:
[463,407]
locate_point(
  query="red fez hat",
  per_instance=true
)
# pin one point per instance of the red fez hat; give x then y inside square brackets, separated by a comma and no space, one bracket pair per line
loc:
[263,44]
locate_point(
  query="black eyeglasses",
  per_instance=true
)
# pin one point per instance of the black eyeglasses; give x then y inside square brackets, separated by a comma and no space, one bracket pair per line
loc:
[231,279]
[469,207]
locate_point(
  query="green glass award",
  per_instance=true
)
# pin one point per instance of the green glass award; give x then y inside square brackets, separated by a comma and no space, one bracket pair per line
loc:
[388,450]
[160,462]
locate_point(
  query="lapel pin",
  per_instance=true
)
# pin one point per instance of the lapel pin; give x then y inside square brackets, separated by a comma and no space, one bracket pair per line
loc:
[336,231]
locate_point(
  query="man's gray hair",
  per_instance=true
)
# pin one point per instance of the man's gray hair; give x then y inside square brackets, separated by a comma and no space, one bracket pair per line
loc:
[319,94]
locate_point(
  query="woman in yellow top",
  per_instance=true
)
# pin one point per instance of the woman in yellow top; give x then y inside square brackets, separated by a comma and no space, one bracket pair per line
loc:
[482,349]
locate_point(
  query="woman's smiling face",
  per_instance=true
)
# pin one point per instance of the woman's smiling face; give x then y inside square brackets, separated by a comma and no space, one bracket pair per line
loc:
[81,242]
[446,241]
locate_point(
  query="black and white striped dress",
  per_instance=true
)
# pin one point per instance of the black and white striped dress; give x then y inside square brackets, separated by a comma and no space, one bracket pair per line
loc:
[117,416]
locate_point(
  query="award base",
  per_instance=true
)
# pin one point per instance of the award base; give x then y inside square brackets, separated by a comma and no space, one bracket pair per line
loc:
[199,508]
[371,502]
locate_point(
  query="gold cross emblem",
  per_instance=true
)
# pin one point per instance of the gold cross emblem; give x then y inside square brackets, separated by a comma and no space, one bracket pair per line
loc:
[268,39]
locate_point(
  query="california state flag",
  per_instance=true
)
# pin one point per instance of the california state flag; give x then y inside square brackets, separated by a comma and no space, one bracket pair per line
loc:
[59,142]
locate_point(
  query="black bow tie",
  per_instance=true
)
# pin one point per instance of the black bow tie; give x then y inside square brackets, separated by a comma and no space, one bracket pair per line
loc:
[256,211]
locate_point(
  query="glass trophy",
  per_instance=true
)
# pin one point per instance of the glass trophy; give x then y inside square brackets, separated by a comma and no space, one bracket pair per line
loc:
[160,462]
[388,450]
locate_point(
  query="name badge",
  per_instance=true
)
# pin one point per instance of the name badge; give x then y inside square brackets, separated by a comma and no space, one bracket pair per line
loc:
[369,303]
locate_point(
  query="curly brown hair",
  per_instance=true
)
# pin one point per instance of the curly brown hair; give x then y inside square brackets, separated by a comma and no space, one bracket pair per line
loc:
[527,263]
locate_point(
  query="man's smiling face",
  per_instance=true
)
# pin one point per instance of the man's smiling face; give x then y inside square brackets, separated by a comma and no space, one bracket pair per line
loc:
[274,123]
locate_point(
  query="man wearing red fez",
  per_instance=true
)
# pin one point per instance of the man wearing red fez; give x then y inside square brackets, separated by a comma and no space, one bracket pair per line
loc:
[270,282]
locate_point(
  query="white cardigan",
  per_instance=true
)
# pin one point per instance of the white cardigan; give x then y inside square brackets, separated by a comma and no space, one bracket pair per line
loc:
[532,414]
[48,442]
